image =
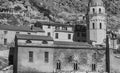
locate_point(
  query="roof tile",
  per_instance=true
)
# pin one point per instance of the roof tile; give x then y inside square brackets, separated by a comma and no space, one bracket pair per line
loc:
[33,37]
[20,28]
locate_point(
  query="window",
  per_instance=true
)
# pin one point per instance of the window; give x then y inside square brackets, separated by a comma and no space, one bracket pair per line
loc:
[49,26]
[57,27]
[56,35]
[94,55]
[100,25]
[30,56]
[69,36]
[93,25]
[44,42]
[64,28]
[46,57]
[93,10]
[83,34]
[29,33]
[93,67]
[5,32]
[5,41]
[83,17]
[48,33]
[99,10]
[75,66]
[28,41]
[58,65]
[17,32]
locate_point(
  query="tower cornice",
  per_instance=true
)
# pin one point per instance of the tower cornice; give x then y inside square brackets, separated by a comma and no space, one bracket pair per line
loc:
[98,14]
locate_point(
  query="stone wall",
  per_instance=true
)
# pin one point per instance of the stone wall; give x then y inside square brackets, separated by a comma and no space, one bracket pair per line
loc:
[84,59]
[38,65]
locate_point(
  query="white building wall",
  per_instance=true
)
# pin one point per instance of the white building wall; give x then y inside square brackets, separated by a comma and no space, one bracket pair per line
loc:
[10,35]
[101,36]
[97,34]
[63,36]
[38,64]
[33,33]
[51,30]
[70,29]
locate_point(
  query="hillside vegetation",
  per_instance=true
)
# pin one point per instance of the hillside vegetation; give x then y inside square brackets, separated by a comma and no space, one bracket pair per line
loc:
[59,10]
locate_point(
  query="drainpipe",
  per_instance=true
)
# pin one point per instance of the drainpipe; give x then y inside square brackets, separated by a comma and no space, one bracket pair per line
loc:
[107,54]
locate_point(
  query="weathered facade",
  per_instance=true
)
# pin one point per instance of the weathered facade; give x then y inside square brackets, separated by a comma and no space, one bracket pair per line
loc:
[8,32]
[48,56]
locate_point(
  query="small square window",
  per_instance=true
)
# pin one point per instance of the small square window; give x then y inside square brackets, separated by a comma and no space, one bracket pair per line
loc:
[57,27]
[28,41]
[29,33]
[17,32]
[5,32]
[44,42]
[49,26]
[64,28]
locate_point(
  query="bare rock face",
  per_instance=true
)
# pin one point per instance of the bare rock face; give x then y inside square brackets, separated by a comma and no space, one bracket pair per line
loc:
[52,8]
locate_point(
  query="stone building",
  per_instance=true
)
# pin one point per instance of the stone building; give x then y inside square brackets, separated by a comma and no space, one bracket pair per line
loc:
[97,19]
[57,30]
[35,54]
[57,51]
[8,32]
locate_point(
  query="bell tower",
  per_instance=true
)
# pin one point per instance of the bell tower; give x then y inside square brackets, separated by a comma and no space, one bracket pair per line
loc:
[97,22]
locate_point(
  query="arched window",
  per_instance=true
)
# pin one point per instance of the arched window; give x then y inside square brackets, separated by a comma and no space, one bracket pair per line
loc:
[93,10]
[99,10]
[93,67]
[75,66]
[58,67]
[93,25]
[100,25]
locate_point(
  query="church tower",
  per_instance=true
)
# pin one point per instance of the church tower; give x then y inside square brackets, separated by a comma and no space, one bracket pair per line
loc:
[97,22]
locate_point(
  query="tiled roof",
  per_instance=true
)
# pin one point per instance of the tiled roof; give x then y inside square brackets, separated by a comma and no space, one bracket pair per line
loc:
[54,24]
[71,43]
[20,28]
[33,37]
[63,31]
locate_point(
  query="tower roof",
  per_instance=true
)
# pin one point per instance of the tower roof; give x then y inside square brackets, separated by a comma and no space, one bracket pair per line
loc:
[96,2]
